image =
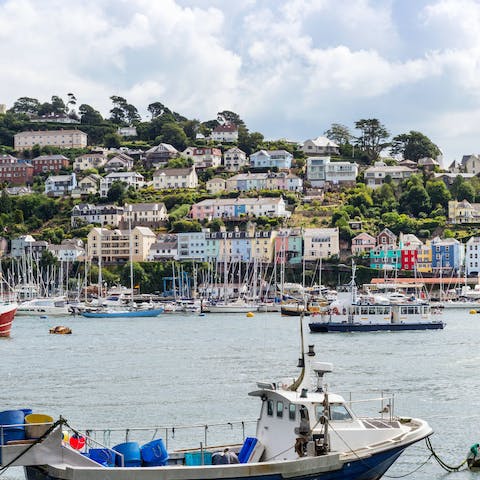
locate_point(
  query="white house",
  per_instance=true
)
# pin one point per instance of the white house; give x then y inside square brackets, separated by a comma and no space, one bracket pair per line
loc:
[472,255]
[69,250]
[151,215]
[89,160]
[87,213]
[121,161]
[234,159]
[204,157]
[164,248]
[375,176]
[227,133]
[280,159]
[88,185]
[321,170]
[191,246]
[59,185]
[175,178]
[320,146]
[130,179]
[216,185]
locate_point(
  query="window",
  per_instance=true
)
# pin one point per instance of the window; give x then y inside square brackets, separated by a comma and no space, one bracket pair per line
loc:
[270,407]
[279,409]
[292,410]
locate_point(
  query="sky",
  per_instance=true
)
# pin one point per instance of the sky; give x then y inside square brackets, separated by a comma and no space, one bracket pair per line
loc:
[289,68]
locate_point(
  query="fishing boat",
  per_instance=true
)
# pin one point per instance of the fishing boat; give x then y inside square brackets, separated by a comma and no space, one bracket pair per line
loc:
[7,313]
[303,432]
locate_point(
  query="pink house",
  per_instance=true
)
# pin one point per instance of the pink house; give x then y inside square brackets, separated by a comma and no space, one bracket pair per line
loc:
[362,243]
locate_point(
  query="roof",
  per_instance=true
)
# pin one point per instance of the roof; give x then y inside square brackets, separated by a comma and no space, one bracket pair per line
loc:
[48,132]
[388,168]
[466,158]
[323,142]
[141,207]
[241,201]
[235,150]
[123,174]
[272,152]
[162,147]
[60,178]
[365,235]
[50,157]
[249,176]
[173,172]
[229,127]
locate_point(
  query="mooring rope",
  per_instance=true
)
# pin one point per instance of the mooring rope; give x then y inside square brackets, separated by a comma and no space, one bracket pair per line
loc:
[444,465]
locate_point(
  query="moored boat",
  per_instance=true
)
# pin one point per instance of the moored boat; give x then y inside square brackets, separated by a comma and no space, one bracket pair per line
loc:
[50,306]
[106,313]
[7,314]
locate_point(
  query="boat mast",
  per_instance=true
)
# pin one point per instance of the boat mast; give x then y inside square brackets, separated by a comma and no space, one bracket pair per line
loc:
[131,252]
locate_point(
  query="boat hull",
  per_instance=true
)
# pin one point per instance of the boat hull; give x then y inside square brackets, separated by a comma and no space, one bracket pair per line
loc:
[326,327]
[357,468]
[137,313]
[7,313]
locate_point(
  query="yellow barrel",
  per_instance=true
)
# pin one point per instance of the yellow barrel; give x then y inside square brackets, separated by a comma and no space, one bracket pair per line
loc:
[250,314]
[36,431]
[472,312]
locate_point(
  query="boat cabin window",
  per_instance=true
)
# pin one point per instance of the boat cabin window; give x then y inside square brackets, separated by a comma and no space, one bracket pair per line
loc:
[292,410]
[279,409]
[337,412]
[270,407]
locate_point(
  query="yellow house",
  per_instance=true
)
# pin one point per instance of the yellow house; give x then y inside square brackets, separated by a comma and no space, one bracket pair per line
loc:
[463,212]
[424,258]
[263,245]
[114,245]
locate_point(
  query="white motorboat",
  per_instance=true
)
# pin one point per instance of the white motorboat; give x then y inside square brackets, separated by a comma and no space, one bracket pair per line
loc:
[48,306]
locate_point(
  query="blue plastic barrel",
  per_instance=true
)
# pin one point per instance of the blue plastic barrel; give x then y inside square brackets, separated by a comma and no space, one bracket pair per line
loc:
[12,425]
[26,411]
[131,454]
[154,453]
[103,456]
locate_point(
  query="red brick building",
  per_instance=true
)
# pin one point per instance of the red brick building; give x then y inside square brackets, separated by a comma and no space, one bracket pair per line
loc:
[49,163]
[19,173]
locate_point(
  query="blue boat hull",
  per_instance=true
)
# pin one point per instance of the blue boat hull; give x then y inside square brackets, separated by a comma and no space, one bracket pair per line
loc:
[326,327]
[371,468]
[137,313]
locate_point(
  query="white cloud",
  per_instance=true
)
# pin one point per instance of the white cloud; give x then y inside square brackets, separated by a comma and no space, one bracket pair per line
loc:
[290,68]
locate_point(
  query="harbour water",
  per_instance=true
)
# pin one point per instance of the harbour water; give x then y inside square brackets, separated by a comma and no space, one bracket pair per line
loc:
[182,369]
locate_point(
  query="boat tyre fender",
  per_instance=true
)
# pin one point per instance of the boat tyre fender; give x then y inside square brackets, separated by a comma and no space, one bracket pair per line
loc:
[300,446]
[335,311]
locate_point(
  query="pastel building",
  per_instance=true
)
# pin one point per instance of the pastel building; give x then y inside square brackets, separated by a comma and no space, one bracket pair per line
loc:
[89,160]
[447,254]
[167,178]
[50,138]
[386,257]
[234,159]
[191,246]
[320,243]
[289,246]
[363,243]
[204,157]
[216,185]
[164,248]
[59,185]
[87,213]
[424,258]
[472,256]
[280,159]
[117,246]
[236,208]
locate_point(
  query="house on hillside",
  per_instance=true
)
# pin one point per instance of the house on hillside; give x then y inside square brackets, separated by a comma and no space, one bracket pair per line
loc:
[49,163]
[363,243]
[130,179]
[166,178]
[160,155]
[234,159]
[320,147]
[227,133]
[118,163]
[60,185]
[280,159]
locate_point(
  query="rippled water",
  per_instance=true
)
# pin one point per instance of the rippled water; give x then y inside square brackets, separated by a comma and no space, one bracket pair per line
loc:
[180,369]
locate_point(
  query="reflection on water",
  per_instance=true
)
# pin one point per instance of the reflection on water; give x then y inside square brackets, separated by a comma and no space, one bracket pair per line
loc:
[179,369]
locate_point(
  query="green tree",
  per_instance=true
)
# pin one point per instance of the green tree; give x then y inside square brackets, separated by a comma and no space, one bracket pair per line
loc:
[6,203]
[186,226]
[139,275]
[230,117]
[415,200]
[438,193]
[58,105]
[89,116]
[117,192]
[339,133]
[26,105]
[372,139]
[173,134]
[466,192]
[414,146]
[112,140]
[248,142]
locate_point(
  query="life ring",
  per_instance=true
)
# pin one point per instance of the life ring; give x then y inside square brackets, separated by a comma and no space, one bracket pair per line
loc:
[335,311]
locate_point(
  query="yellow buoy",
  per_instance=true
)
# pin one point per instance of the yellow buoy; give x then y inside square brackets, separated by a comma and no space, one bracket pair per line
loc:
[250,314]
[473,312]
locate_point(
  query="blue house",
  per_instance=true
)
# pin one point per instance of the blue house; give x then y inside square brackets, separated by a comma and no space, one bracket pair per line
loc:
[447,254]
[271,158]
